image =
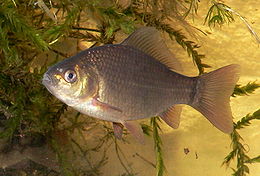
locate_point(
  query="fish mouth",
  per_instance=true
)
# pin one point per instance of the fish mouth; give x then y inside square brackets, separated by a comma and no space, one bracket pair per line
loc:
[48,82]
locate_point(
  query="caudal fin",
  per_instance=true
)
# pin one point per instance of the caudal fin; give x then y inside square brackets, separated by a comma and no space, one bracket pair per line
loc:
[213,93]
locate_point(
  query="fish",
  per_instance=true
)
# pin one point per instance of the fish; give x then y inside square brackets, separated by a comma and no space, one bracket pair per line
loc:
[140,78]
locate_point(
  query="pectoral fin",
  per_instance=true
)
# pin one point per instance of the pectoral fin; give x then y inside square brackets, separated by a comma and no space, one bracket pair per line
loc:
[104,106]
[136,130]
[172,116]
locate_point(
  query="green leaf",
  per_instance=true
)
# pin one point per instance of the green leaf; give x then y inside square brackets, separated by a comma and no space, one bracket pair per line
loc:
[245,169]
[245,121]
[10,52]
[254,160]
[18,26]
[109,32]
[257,114]
[146,129]
[127,27]
[229,157]
[56,32]
[160,168]
[245,90]
[193,7]
[218,14]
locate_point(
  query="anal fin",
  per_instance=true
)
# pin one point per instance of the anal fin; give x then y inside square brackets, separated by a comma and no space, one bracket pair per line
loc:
[136,130]
[172,116]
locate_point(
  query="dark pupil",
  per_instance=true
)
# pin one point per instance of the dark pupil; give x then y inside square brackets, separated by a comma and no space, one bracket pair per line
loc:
[70,76]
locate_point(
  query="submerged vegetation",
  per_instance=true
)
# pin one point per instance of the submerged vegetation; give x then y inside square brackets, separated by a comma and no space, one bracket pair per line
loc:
[30,118]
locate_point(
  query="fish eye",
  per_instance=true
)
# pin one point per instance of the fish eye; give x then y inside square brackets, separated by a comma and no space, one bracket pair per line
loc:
[70,76]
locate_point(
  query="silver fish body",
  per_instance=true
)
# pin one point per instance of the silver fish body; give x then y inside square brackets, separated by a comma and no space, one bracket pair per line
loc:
[136,79]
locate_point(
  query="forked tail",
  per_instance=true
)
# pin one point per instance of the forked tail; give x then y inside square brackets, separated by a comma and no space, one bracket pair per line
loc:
[213,93]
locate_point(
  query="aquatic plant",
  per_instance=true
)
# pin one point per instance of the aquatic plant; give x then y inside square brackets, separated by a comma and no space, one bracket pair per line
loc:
[31,29]
[239,149]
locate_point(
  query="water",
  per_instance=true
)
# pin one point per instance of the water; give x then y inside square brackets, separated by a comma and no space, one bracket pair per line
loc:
[196,148]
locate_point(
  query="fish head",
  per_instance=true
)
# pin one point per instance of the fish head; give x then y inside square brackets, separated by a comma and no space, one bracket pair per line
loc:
[69,82]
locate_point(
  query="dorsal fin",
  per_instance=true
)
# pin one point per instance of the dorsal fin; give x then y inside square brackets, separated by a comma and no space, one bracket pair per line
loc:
[148,40]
